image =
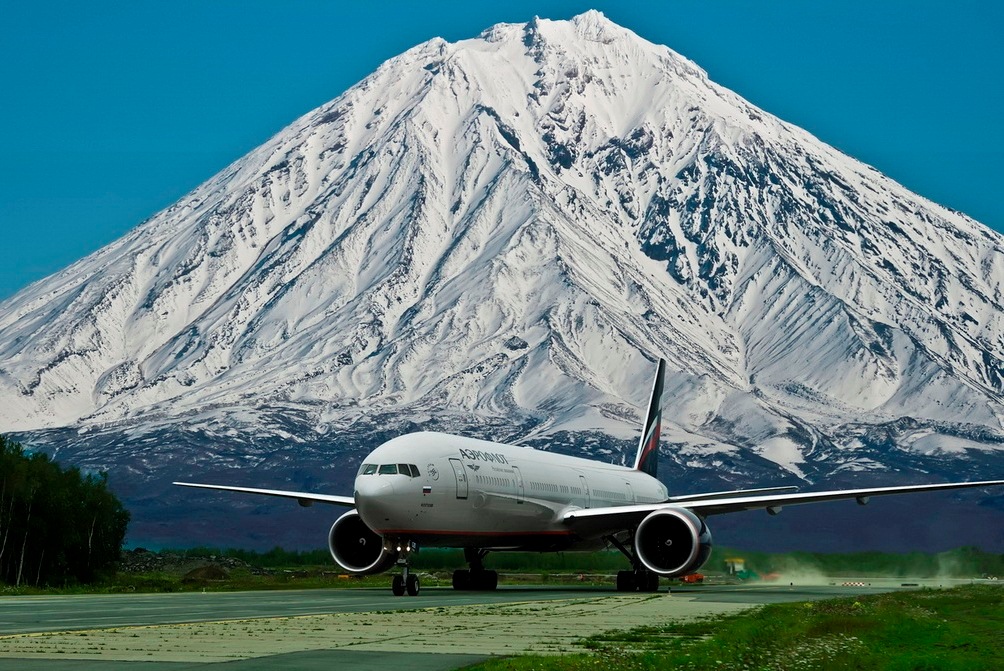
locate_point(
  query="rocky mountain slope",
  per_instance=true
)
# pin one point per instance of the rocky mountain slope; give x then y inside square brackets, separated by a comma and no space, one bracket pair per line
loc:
[498,236]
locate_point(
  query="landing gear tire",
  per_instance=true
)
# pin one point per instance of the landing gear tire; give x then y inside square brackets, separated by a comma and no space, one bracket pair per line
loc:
[475,578]
[462,579]
[412,585]
[488,581]
[480,581]
[637,581]
[397,585]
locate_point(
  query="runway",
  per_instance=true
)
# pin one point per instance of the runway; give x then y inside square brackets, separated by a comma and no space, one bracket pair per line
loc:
[27,614]
[366,628]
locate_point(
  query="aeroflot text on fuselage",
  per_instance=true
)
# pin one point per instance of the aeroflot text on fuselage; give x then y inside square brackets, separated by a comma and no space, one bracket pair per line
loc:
[478,455]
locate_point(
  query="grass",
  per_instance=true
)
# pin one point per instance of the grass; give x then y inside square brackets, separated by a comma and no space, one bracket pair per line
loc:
[960,629]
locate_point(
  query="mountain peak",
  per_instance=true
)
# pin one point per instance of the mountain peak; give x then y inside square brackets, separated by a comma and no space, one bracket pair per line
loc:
[593,19]
[591,24]
[508,229]
[594,25]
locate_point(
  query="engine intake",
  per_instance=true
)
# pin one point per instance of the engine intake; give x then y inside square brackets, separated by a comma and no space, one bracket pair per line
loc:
[672,542]
[356,547]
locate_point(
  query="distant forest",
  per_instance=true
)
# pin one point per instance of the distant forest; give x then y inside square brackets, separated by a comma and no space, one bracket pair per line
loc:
[57,526]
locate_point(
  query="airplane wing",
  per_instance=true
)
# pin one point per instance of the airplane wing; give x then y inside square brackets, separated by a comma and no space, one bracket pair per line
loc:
[305,499]
[775,502]
[595,520]
[734,492]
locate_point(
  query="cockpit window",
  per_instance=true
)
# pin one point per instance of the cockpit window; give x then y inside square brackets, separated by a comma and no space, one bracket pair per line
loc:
[411,470]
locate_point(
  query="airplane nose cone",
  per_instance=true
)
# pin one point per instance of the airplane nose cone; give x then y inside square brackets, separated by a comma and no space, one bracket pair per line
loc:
[368,486]
[372,495]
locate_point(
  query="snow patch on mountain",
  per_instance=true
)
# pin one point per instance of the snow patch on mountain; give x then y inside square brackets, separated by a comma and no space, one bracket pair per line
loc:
[509,230]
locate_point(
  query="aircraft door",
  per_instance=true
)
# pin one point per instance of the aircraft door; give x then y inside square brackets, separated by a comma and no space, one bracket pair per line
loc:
[519,484]
[458,470]
[585,489]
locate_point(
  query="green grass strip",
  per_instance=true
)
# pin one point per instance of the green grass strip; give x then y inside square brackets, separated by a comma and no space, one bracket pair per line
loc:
[960,629]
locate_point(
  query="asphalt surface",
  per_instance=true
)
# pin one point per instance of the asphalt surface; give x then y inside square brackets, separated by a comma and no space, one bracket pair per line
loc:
[27,614]
[224,615]
[325,660]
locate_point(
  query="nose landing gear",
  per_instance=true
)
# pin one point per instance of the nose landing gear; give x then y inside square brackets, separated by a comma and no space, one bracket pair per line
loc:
[407,581]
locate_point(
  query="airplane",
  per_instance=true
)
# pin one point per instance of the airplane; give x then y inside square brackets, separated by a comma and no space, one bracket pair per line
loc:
[429,489]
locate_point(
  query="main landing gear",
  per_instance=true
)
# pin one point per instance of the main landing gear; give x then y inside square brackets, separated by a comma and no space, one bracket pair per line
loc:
[639,579]
[407,581]
[476,578]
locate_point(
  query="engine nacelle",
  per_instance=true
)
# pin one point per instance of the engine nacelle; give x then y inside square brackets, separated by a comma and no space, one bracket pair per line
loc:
[672,542]
[356,547]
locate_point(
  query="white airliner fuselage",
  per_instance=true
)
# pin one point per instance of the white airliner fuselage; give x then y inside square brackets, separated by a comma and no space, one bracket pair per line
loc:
[435,489]
[488,495]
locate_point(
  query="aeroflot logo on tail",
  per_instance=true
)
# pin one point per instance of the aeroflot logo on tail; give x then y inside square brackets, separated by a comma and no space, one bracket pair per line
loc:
[478,455]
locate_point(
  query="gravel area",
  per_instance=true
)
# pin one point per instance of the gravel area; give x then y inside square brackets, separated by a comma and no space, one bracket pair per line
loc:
[547,627]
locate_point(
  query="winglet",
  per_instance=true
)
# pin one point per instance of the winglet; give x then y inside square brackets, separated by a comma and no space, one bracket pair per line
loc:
[647,460]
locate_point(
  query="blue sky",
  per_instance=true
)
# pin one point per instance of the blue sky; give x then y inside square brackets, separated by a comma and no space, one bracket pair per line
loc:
[113,110]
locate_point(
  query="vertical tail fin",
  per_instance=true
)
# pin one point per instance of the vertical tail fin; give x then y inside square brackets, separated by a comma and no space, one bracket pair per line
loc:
[647,460]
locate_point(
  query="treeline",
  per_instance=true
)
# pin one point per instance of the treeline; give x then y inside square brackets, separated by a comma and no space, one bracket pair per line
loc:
[57,526]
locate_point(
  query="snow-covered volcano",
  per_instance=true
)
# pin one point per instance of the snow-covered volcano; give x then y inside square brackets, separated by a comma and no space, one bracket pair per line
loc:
[499,235]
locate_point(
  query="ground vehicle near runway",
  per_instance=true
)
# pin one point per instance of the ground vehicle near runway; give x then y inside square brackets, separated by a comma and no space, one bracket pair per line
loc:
[440,490]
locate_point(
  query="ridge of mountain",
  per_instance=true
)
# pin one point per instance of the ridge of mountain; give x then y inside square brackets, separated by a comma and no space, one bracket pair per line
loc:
[497,236]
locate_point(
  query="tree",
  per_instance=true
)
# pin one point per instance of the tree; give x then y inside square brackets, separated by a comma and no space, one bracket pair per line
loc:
[56,526]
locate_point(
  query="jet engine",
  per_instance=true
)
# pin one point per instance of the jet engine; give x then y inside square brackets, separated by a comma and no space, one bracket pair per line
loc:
[672,542]
[356,547]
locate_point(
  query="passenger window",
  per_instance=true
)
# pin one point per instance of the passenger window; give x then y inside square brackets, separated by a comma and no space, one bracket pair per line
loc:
[388,469]
[369,469]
